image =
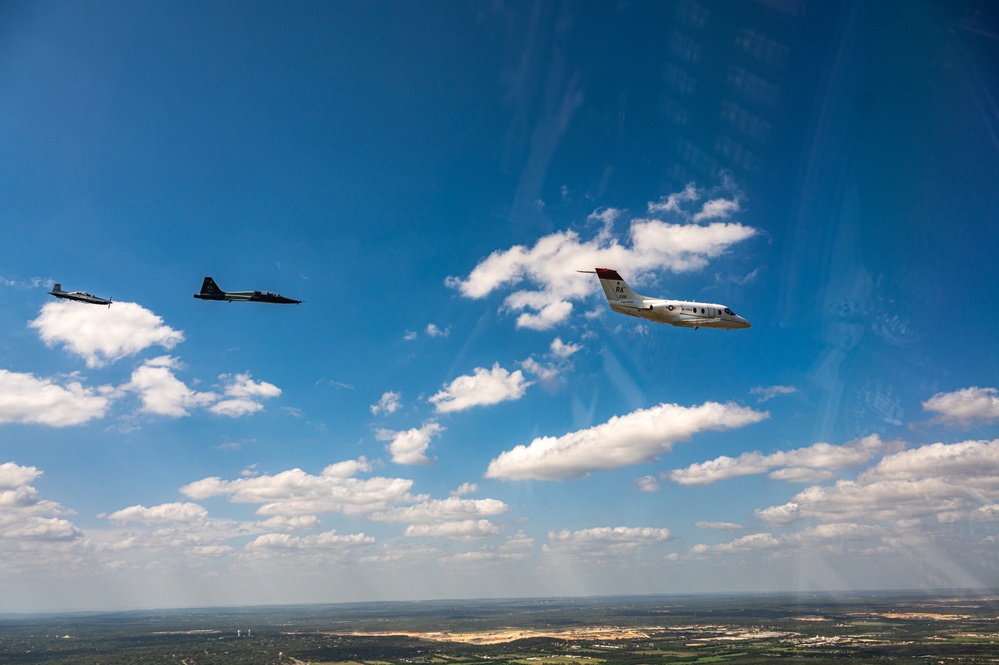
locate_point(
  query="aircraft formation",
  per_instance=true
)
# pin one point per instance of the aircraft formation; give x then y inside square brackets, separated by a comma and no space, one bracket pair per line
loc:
[209,291]
[620,296]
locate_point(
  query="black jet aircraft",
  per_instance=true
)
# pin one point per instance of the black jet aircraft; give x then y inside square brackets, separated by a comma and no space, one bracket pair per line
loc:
[78,296]
[211,291]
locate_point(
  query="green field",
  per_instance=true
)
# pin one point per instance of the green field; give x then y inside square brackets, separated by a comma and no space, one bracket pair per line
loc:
[736,630]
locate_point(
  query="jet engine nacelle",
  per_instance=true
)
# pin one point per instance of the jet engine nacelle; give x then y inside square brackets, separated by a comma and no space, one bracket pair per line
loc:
[666,309]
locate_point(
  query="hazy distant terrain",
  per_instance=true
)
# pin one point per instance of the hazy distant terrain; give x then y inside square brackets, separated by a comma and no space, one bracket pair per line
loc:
[949,627]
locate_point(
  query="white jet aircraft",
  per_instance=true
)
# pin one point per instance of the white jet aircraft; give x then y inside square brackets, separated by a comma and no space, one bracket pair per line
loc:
[674,312]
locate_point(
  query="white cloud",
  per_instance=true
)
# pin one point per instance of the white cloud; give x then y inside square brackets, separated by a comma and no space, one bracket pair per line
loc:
[465,488]
[603,541]
[24,515]
[234,408]
[717,209]
[284,523]
[823,536]
[183,513]
[655,245]
[163,393]
[13,475]
[410,446]
[443,510]
[562,350]
[348,468]
[389,403]
[329,540]
[27,399]
[623,440]
[101,335]
[296,493]
[966,405]
[242,385]
[482,388]
[939,480]
[728,526]
[434,331]
[767,393]
[647,484]
[462,530]
[243,394]
[801,465]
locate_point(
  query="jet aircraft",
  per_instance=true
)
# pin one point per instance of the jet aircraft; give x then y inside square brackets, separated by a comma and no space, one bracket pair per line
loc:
[211,291]
[79,296]
[674,312]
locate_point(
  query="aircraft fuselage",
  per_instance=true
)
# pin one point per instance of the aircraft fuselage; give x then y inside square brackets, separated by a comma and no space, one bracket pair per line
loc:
[78,296]
[682,313]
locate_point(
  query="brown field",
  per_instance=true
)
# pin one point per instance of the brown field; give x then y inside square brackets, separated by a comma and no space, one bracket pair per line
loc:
[513,634]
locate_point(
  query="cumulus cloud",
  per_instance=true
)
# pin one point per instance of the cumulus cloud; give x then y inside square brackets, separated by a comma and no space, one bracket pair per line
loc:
[389,403]
[434,331]
[834,535]
[939,480]
[329,540]
[27,399]
[183,513]
[297,493]
[728,526]
[242,395]
[24,515]
[443,510]
[635,438]
[562,350]
[348,468]
[801,465]
[465,488]
[603,541]
[162,393]
[965,406]
[410,446]
[647,484]
[682,244]
[461,530]
[482,388]
[101,335]
[283,523]
[767,393]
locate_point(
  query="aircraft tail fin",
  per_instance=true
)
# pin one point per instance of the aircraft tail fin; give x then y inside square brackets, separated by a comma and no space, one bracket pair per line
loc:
[57,287]
[615,288]
[211,289]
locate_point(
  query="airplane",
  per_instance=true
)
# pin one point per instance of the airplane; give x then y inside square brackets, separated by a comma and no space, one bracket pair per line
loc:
[79,296]
[211,291]
[680,313]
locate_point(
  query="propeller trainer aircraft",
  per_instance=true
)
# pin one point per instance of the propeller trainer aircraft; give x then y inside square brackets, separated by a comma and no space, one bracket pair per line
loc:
[211,291]
[674,312]
[79,296]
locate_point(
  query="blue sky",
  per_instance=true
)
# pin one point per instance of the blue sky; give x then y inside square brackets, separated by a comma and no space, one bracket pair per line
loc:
[454,411]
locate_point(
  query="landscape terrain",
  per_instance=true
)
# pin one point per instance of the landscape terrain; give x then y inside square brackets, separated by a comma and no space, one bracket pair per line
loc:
[947,627]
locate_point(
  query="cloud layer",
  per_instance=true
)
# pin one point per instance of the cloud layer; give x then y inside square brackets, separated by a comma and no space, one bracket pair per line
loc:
[623,440]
